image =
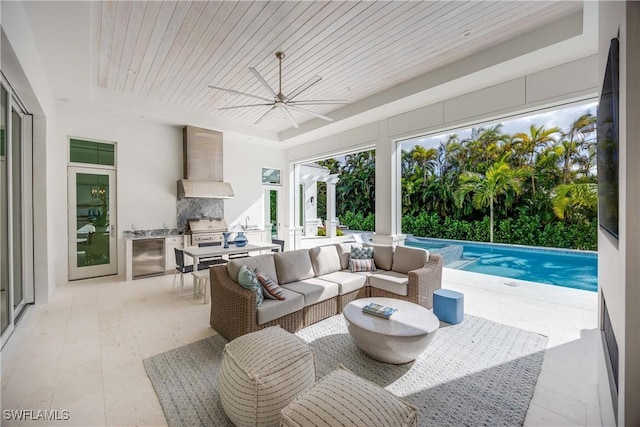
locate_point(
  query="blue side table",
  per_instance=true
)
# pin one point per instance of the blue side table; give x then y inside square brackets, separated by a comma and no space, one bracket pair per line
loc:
[448,306]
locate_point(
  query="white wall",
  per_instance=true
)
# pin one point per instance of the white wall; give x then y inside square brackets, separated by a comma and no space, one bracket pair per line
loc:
[149,162]
[618,267]
[243,163]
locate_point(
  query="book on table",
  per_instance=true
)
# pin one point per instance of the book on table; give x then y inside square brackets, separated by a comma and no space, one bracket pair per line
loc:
[379,310]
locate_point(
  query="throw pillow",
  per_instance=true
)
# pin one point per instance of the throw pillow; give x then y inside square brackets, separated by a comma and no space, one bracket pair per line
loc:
[248,280]
[270,288]
[358,265]
[361,253]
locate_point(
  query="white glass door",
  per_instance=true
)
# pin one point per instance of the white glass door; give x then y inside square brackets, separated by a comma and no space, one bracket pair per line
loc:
[92,227]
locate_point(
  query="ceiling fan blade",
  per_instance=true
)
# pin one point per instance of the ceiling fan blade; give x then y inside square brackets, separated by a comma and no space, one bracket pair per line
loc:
[242,106]
[264,115]
[304,86]
[263,81]
[313,113]
[319,102]
[288,115]
[236,92]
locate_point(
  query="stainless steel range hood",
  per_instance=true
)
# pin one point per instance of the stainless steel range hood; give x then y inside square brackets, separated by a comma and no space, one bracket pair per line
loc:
[202,164]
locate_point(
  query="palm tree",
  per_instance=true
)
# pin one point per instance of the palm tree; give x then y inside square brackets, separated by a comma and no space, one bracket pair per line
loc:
[426,158]
[574,141]
[573,198]
[500,180]
[529,143]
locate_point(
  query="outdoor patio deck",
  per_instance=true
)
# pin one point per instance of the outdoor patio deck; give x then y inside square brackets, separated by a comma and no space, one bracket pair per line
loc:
[83,351]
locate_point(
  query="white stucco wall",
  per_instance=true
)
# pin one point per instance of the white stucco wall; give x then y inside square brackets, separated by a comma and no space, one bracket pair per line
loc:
[149,162]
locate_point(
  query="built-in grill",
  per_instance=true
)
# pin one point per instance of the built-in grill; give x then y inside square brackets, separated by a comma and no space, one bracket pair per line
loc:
[205,230]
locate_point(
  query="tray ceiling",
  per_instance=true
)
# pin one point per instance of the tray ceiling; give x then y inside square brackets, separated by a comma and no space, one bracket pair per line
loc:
[170,51]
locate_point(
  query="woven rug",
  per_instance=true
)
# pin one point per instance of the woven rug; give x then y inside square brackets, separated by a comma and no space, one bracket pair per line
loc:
[475,373]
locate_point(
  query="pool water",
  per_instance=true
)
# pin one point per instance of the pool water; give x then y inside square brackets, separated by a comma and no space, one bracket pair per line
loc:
[570,269]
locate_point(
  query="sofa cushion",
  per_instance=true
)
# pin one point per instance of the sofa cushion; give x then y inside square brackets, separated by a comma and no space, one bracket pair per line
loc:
[344,252]
[293,266]
[248,280]
[314,290]
[262,263]
[272,309]
[348,282]
[406,259]
[358,265]
[390,281]
[324,259]
[382,255]
[270,288]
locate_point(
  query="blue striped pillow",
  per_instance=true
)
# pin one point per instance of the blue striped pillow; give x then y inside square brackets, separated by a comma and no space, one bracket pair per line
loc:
[270,288]
[358,265]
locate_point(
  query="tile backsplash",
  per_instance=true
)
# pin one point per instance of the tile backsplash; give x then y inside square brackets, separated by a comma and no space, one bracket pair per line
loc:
[198,208]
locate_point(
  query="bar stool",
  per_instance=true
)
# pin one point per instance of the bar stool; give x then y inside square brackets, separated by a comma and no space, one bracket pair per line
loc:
[201,284]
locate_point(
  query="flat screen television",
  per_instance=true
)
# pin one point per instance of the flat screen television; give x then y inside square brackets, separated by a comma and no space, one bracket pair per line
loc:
[608,152]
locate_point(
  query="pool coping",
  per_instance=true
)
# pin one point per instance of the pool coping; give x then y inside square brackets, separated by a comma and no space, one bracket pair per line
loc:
[410,237]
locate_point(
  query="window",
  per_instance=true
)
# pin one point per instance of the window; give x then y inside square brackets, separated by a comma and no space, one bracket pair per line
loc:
[271,176]
[95,153]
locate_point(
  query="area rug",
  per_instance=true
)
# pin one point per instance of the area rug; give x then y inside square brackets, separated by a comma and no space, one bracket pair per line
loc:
[475,373]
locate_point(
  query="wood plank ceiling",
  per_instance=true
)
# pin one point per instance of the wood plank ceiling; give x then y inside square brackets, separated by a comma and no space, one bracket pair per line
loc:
[170,51]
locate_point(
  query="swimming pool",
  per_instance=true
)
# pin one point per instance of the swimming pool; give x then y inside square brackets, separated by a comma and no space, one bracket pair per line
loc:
[559,267]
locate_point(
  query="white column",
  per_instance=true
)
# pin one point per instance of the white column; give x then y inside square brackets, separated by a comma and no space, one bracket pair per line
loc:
[387,189]
[332,222]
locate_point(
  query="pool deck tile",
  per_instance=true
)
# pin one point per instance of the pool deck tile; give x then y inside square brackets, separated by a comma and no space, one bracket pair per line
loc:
[566,392]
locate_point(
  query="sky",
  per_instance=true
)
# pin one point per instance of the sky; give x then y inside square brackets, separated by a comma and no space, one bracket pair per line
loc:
[560,117]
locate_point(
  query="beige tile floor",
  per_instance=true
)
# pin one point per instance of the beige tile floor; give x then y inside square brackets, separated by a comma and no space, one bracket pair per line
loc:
[83,351]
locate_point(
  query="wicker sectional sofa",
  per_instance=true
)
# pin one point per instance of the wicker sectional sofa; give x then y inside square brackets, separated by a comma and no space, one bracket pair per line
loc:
[317,284]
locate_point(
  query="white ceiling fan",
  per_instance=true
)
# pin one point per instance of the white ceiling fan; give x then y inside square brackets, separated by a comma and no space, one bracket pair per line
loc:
[280,101]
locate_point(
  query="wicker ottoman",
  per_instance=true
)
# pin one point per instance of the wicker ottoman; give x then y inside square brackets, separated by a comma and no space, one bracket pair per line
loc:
[344,399]
[261,373]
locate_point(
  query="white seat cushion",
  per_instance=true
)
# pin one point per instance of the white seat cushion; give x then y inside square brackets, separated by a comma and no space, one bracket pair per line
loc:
[314,290]
[348,282]
[272,309]
[390,281]
[344,399]
[325,259]
[261,373]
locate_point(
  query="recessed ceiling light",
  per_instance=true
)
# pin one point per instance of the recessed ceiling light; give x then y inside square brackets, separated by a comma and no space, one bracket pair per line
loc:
[467,33]
[132,72]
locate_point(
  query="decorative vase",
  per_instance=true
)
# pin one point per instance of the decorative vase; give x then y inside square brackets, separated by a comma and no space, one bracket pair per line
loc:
[241,240]
[226,235]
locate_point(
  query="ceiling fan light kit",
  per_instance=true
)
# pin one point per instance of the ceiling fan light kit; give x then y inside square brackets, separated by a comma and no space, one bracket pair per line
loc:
[281,102]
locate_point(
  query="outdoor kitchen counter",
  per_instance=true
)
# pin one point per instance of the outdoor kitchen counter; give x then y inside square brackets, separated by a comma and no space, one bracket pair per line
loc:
[147,234]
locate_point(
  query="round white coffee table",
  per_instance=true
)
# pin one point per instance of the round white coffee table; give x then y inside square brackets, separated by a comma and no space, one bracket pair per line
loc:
[397,340]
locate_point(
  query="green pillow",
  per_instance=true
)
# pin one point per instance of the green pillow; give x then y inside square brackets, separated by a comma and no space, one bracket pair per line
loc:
[248,280]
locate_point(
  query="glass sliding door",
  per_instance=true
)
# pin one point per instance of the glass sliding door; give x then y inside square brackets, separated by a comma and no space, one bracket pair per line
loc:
[92,240]
[5,300]
[16,219]
[16,211]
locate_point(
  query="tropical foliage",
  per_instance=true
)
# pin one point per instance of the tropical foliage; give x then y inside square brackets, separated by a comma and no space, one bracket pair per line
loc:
[532,188]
